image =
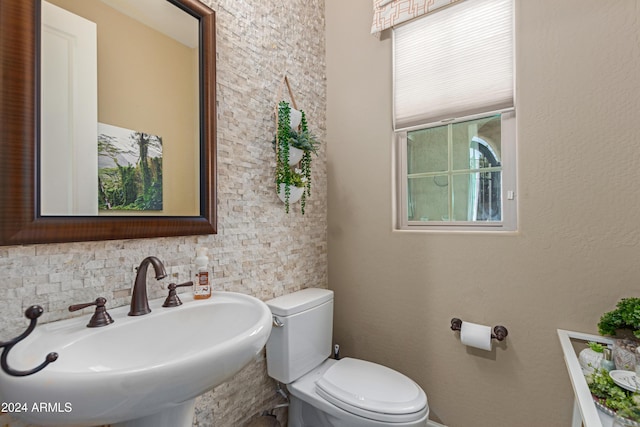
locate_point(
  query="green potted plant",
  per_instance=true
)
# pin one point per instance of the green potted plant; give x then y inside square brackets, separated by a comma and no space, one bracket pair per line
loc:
[623,323]
[293,158]
[591,357]
[626,316]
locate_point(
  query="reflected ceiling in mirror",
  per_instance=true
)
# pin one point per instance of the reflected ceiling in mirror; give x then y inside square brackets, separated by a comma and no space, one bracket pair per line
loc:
[172,126]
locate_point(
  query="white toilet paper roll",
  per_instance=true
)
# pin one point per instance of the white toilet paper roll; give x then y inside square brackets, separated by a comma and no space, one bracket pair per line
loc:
[474,335]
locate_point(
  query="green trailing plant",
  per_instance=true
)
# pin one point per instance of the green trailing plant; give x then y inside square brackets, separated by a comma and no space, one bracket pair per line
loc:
[302,139]
[283,171]
[306,142]
[625,316]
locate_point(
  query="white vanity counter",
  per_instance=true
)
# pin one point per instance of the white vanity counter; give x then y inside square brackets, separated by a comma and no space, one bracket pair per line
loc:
[585,412]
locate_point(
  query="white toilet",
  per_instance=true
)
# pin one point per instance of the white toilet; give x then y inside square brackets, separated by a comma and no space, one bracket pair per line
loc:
[330,392]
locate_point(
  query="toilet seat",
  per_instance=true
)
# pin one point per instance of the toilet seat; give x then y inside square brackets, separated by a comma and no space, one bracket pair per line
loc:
[372,391]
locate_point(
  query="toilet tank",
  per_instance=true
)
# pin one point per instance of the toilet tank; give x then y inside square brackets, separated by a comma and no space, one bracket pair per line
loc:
[304,339]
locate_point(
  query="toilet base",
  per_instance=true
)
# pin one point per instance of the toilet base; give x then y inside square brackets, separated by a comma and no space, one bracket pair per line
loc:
[308,409]
[302,414]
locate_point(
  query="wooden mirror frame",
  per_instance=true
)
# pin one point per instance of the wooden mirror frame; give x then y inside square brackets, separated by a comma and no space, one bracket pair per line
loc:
[20,220]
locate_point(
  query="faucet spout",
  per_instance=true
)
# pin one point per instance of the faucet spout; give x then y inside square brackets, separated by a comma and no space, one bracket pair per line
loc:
[139,299]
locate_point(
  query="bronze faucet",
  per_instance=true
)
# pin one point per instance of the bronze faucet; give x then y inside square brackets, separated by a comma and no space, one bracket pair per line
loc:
[139,300]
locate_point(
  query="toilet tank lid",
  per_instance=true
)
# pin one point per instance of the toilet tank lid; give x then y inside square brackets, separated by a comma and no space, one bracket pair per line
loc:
[299,301]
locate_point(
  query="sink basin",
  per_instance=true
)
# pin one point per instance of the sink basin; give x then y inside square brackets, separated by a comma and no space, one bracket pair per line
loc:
[143,370]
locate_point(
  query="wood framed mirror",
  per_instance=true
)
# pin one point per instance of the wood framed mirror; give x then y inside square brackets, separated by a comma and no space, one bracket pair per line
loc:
[21,179]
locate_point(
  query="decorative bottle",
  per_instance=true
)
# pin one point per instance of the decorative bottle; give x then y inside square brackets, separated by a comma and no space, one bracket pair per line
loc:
[202,288]
[606,363]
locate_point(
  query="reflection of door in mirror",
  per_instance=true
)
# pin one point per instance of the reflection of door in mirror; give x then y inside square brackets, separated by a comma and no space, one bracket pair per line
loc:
[147,84]
[69,185]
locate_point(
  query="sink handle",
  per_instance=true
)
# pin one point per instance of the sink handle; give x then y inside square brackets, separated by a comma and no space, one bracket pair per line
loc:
[172,299]
[100,317]
[31,313]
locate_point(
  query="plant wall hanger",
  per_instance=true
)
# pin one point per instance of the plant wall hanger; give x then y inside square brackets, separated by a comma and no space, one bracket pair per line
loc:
[293,145]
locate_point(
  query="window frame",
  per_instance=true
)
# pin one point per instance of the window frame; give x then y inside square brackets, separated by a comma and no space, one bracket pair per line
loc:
[508,181]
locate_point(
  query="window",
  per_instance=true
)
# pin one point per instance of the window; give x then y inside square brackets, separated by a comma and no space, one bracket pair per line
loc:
[457,175]
[454,118]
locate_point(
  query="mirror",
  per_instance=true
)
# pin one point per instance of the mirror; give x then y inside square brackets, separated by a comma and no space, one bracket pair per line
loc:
[31,211]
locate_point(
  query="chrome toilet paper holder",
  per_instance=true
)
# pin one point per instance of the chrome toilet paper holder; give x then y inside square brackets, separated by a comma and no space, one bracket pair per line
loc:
[499,331]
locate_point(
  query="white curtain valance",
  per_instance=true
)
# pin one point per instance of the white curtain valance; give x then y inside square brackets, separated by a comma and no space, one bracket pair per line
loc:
[387,13]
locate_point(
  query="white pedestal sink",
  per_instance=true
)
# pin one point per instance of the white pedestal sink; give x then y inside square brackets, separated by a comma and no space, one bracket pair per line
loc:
[139,371]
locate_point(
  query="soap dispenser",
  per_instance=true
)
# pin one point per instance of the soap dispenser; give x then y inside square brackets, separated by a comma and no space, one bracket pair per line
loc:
[202,288]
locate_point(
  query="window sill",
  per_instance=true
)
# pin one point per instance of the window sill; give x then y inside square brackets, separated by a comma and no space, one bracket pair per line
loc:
[444,229]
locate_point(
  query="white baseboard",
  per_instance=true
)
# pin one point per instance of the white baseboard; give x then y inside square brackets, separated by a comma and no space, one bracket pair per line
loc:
[434,424]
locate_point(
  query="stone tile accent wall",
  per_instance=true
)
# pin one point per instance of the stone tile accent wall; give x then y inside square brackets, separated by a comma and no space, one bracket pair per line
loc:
[259,250]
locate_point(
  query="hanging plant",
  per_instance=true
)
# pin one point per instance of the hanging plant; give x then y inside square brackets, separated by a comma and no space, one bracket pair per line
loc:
[297,175]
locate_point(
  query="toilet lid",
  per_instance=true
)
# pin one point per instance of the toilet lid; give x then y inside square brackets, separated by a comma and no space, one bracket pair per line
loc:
[372,391]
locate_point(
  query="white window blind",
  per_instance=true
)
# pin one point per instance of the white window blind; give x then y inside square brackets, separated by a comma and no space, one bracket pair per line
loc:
[455,62]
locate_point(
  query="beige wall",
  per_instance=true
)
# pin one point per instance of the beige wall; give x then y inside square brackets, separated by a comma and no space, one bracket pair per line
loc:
[259,250]
[577,249]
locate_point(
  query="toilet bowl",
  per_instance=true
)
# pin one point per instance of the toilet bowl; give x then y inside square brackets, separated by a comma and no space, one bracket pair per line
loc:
[329,392]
